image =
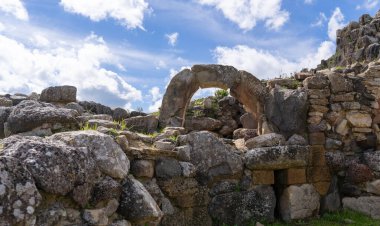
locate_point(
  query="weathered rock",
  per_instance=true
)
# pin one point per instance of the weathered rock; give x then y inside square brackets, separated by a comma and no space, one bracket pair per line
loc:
[373,160]
[299,202]
[212,158]
[63,94]
[137,205]
[142,168]
[143,124]
[96,108]
[359,119]
[332,202]
[335,160]
[367,205]
[297,140]
[4,113]
[167,168]
[31,114]
[339,83]
[119,114]
[19,196]
[358,173]
[188,169]
[245,134]
[17,98]
[52,215]
[75,106]
[108,155]
[342,127]
[373,187]
[275,158]
[55,167]
[241,208]
[94,123]
[202,123]
[316,82]
[164,145]
[287,110]
[5,102]
[106,189]
[333,144]
[266,140]
[224,187]
[248,121]
[137,113]
[95,216]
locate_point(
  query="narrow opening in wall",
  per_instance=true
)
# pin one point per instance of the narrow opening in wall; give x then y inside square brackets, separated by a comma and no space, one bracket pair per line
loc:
[279,186]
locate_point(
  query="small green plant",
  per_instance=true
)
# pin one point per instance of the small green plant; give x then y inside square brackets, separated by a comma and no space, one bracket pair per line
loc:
[123,125]
[173,138]
[220,93]
[113,132]
[87,126]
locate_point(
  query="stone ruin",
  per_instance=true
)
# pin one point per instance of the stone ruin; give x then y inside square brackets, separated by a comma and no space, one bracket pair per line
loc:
[284,149]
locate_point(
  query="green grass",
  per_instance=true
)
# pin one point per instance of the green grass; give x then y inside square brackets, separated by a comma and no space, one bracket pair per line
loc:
[335,219]
[88,127]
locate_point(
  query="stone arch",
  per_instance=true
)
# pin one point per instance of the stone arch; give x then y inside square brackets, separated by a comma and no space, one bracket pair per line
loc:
[245,87]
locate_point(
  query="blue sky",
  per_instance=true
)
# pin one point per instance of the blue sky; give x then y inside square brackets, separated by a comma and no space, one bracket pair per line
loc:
[124,52]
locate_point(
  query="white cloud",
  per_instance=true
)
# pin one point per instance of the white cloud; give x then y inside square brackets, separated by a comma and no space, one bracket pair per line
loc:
[14,7]
[156,97]
[368,5]
[309,1]
[336,22]
[264,64]
[246,13]
[320,20]
[172,38]
[130,13]
[31,68]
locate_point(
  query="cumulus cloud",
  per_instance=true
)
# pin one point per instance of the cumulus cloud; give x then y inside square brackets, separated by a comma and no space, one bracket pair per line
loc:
[368,5]
[156,96]
[264,64]
[130,13]
[336,22]
[27,68]
[320,20]
[246,13]
[309,1]
[172,38]
[15,8]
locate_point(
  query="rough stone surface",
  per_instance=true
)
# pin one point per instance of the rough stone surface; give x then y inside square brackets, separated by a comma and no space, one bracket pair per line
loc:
[95,108]
[358,173]
[119,114]
[373,160]
[275,158]
[297,140]
[5,102]
[212,158]
[245,134]
[248,121]
[63,94]
[167,168]
[75,106]
[108,155]
[142,168]
[359,119]
[316,82]
[143,124]
[335,160]
[137,205]
[31,114]
[241,208]
[266,140]
[373,187]
[339,83]
[368,205]
[287,110]
[4,113]
[106,189]
[299,202]
[202,123]
[19,196]
[55,167]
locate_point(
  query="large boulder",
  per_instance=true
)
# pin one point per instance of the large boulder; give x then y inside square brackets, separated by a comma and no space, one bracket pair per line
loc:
[108,155]
[60,94]
[142,124]
[95,108]
[19,196]
[31,114]
[299,202]
[287,110]
[339,83]
[4,114]
[266,140]
[119,114]
[367,205]
[55,167]
[212,158]
[276,158]
[248,121]
[242,208]
[202,123]
[137,205]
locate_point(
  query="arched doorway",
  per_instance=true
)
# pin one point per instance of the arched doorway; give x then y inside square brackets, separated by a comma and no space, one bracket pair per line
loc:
[245,87]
